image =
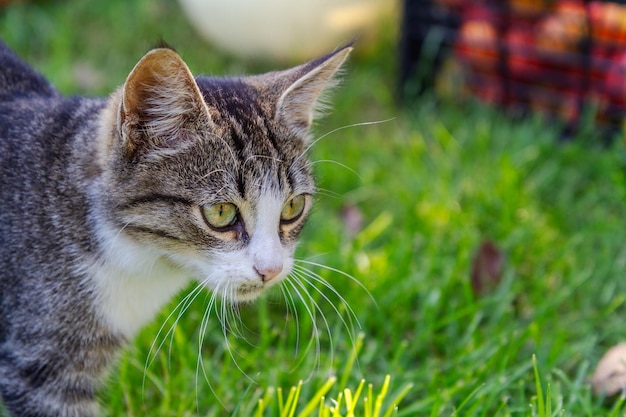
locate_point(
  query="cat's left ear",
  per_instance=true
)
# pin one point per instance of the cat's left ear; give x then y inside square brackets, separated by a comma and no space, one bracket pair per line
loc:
[303,98]
[161,105]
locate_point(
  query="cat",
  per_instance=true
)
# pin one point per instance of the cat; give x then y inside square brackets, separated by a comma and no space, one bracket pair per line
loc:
[111,206]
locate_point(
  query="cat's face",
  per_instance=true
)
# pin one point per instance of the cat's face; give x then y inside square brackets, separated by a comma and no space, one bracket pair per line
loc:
[211,174]
[228,206]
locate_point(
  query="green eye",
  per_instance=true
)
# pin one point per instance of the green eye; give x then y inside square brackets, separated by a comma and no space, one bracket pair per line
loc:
[220,215]
[293,208]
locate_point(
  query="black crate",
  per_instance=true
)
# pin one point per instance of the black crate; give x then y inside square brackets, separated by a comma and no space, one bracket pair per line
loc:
[554,56]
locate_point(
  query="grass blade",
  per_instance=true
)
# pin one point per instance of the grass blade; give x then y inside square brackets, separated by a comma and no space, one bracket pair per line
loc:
[319,395]
[541,411]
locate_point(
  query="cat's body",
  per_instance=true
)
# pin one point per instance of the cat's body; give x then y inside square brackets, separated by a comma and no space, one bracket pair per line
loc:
[112,206]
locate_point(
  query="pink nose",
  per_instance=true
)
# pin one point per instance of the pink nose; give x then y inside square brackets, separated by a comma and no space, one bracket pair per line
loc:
[268,273]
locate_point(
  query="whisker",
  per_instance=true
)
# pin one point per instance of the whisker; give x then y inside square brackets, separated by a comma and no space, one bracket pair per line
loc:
[229,299]
[291,306]
[314,329]
[313,142]
[251,157]
[340,272]
[352,318]
[215,171]
[119,232]
[230,149]
[321,312]
[181,307]
[328,193]
[318,278]
[331,161]
[200,361]
[240,328]
[312,277]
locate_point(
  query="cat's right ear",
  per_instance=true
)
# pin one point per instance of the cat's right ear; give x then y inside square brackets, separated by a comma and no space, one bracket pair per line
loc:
[302,99]
[161,105]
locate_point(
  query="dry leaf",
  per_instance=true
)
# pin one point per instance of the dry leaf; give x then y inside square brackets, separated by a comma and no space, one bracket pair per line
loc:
[487,268]
[610,375]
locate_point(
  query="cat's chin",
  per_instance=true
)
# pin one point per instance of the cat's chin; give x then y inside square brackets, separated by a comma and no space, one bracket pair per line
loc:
[247,293]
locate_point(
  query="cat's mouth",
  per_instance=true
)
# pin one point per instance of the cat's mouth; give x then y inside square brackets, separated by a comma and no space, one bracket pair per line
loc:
[249,291]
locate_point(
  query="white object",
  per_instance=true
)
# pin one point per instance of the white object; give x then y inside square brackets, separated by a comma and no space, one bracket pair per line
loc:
[282,29]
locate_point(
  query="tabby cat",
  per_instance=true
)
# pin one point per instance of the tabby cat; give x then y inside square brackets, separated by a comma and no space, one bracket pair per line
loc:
[112,206]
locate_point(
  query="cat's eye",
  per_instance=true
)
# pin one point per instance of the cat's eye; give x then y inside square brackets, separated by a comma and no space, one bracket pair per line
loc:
[220,215]
[293,209]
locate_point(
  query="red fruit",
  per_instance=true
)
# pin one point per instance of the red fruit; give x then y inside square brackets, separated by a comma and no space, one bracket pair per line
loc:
[477,44]
[575,8]
[599,28]
[563,30]
[574,13]
[608,22]
[552,35]
[530,8]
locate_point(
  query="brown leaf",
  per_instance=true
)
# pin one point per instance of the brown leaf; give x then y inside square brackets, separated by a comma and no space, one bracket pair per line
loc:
[610,375]
[487,268]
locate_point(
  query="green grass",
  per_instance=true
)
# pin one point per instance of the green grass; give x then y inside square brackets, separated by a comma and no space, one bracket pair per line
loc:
[432,182]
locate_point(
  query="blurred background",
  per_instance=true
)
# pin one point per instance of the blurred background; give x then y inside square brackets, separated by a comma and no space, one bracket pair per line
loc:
[557,57]
[472,179]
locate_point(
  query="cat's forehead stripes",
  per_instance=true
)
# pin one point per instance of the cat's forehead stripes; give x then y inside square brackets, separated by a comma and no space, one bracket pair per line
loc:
[265,154]
[238,108]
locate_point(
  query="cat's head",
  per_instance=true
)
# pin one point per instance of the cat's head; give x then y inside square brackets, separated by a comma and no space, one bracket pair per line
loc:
[211,174]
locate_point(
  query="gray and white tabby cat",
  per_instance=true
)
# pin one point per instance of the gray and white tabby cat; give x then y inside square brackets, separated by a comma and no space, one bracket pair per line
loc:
[112,206]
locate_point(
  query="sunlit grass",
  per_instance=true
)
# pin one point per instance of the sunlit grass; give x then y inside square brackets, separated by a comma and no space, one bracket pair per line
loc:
[360,401]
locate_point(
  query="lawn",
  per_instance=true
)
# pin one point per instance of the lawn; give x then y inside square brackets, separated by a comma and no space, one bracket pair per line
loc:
[430,180]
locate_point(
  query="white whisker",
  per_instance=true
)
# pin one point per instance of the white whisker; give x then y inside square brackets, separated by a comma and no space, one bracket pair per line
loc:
[229,299]
[155,347]
[313,142]
[230,149]
[330,161]
[248,159]
[291,306]
[215,171]
[340,272]
[352,318]
[200,361]
[316,307]
[328,193]
[314,329]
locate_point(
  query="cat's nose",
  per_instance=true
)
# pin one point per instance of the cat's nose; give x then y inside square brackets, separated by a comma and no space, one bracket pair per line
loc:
[269,273]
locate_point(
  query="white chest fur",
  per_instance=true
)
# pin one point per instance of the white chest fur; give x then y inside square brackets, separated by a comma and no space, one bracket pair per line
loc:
[133,284]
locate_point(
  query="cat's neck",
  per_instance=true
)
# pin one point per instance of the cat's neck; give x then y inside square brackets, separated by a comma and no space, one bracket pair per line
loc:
[132,283]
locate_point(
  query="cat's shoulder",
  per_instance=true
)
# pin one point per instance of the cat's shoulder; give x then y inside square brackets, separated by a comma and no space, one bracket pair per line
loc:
[19,80]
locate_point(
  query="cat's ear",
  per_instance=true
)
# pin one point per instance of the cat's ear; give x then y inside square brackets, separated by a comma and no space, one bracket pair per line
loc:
[161,104]
[303,98]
